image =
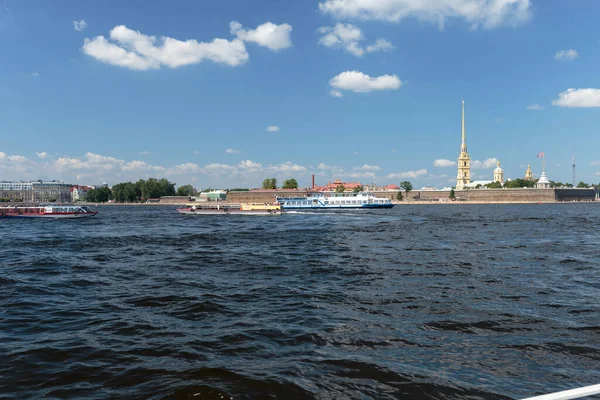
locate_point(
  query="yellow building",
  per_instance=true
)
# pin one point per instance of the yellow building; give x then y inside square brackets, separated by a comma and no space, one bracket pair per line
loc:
[528,174]
[498,173]
[464,161]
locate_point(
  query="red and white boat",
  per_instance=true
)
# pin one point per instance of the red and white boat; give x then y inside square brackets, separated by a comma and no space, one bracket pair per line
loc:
[46,211]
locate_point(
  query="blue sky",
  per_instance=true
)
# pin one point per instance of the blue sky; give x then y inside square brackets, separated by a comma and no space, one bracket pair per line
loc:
[354,90]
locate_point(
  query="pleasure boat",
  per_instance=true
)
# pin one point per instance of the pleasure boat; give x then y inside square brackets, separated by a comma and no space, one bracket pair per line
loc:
[233,209]
[57,211]
[326,200]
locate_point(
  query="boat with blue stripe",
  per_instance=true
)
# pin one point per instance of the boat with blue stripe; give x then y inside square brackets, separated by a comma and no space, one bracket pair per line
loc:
[334,200]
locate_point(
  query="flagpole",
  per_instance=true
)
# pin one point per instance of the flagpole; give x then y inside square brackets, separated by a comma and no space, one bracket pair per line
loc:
[544,163]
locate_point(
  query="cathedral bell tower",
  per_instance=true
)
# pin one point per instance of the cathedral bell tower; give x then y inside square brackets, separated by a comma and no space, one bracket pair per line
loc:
[464,161]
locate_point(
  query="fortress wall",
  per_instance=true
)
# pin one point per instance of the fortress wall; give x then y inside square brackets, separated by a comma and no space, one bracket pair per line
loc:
[509,195]
[575,194]
[478,195]
[475,195]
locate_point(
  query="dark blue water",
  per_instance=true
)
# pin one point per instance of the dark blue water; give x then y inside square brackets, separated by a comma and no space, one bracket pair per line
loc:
[417,302]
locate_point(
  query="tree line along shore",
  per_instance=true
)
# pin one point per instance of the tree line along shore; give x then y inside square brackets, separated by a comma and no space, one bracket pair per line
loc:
[143,190]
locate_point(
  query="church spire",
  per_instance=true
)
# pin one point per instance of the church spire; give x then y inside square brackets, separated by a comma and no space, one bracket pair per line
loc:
[464,142]
[464,161]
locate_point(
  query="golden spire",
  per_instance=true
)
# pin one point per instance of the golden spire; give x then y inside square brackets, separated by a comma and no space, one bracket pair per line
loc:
[463,122]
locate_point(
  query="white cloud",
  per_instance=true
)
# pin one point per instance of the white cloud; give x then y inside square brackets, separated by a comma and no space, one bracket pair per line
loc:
[408,174]
[134,50]
[287,167]
[359,82]
[323,166]
[15,166]
[135,165]
[232,151]
[17,159]
[379,45]
[219,169]
[486,13]
[42,155]
[393,150]
[275,37]
[578,98]
[248,164]
[273,128]
[595,163]
[186,168]
[535,107]
[93,168]
[36,74]
[485,164]
[444,163]
[79,25]
[597,174]
[566,55]
[347,37]
[367,167]
[336,93]
[144,153]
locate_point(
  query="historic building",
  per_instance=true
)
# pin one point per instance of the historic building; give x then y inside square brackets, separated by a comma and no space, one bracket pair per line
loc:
[498,173]
[332,186]
[464,161]
[528,174]
[36,191]
[78,193]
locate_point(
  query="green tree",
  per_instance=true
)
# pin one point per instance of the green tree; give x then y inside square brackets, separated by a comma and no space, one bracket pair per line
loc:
[452,195]
[519,183]
[166,188]
[494,185]
[399,196]
[186,190]
[583,185]
[340,188]
[358,189]
[99,195]
[407,186]
[290,184]
[270,183]
[125,192]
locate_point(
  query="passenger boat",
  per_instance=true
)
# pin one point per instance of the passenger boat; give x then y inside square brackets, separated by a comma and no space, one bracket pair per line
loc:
[326,200]
[58,211]
[234,209]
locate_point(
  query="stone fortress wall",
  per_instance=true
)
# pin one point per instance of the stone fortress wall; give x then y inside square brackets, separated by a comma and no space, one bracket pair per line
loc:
[474,195]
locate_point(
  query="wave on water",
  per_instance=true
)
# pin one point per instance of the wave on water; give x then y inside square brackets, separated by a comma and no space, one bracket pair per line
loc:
[423,302]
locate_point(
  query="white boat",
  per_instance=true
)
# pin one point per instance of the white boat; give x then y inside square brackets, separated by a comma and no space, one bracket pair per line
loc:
[233,209]
[332,200]
[58,211]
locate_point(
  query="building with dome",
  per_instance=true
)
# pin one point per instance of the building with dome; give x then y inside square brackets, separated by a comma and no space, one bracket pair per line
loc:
[463,178]
[499,174]
[528,174]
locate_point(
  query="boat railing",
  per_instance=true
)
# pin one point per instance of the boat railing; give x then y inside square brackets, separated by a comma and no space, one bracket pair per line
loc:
[569,394]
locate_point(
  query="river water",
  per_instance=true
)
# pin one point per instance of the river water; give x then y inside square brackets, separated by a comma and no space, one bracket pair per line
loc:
[417,302]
